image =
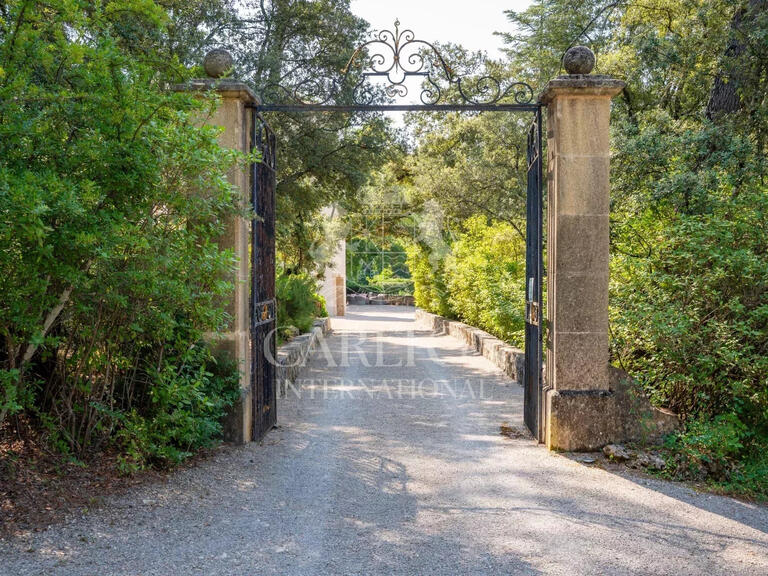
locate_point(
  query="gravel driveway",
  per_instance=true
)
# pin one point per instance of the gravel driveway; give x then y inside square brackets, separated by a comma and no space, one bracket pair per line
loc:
[380,468]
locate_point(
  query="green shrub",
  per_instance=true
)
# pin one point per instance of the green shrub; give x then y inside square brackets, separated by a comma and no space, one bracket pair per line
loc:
[485,277]
[708,447]
[12,397]
[183,412]
[386,282]
[427,272]
[298,303]
[722,451]
[481,280]
[112,200]
[690,322]
[750,477]
[356,287]
[377,268]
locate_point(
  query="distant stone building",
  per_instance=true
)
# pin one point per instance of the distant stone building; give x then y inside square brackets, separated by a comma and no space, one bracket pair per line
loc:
[334,285]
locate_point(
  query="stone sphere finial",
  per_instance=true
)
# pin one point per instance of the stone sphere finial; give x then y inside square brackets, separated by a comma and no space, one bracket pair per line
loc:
[579,60]
[218,62]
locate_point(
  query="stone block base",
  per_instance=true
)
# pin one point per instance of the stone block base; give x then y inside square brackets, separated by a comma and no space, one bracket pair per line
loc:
[236,424]
[587,420]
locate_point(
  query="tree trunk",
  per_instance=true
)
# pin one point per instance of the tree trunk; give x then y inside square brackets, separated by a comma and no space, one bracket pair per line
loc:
[725,95]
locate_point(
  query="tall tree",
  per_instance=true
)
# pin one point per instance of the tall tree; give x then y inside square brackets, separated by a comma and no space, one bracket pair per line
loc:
[323,159]
[741,57]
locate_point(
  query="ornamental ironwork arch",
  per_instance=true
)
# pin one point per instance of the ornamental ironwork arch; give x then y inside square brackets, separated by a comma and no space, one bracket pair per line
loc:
[394,57]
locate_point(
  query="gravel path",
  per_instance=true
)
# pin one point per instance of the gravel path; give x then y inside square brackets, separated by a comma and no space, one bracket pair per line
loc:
[400,470]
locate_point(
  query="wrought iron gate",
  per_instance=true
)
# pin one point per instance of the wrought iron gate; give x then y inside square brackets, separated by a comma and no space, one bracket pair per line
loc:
[380,68]
[262,301]
[534,265]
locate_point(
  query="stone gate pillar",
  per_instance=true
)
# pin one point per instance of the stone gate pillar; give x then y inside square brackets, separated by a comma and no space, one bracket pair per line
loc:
[233,116]
[578,200]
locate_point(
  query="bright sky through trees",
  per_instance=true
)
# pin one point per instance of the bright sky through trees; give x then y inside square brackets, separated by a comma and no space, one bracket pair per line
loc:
[469,24]
[472,26]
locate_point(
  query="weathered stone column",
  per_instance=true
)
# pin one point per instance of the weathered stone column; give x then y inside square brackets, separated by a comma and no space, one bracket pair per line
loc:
[333,287]
[578,201]
[233,116]
[341,296]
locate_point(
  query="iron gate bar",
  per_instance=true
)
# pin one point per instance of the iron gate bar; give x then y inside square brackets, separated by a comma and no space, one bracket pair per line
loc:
[540,274]
[262,311]
[534,269]
[397,107]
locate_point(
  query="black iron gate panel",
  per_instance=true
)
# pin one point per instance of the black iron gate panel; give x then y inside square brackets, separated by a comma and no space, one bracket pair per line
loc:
[263,321]
[534,405]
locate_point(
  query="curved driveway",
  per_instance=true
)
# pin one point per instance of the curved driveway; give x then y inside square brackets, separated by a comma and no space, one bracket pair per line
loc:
[388,460]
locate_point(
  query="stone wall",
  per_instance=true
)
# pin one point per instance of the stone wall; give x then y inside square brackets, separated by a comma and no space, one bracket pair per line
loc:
[292,356]
[509,359]
[380,299]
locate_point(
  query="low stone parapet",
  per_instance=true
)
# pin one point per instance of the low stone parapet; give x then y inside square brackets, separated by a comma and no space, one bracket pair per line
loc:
[380,300]
[292,356]
[509,359]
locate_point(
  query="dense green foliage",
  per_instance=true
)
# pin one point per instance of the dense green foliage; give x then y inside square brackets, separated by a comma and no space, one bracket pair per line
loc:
[471,164]
[481,280]
[694,312]
[389,281]
[111,201]
[187,399]
[298,303]
[428,273]
[377,267]
[485,278]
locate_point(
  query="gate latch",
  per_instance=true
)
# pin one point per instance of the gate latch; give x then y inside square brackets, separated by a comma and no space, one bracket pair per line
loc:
[532,315]
[262,313]
[532,312]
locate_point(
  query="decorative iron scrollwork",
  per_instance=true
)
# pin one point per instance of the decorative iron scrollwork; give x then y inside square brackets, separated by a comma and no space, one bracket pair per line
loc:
[394,57]
[263,313]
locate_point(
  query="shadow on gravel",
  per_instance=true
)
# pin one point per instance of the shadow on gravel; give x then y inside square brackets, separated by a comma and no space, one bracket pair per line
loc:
[752,514]
[414,484]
